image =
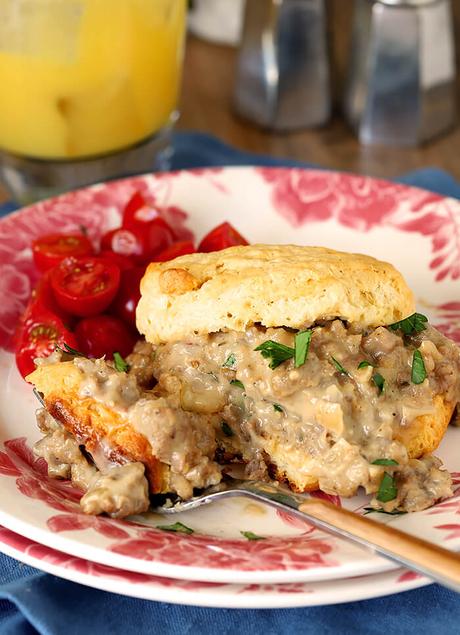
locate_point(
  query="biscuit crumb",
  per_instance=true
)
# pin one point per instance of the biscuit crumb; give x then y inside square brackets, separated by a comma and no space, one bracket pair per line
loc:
[177,282]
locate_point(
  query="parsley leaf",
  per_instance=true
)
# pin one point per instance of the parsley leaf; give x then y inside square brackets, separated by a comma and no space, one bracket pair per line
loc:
[120,364]
[365,364]
[226,429]
[385,462]
[302,344]
[238,383]
[418,374]
[251,536]
[415,323]
[69,350]
[178,528]
[387,490]
[277,407]
[274,351]
[230,362]
[338,366]
[395,512]
[379,381]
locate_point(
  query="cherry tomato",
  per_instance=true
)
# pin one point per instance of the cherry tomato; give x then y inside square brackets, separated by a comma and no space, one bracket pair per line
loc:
[128,295]
[140,243]
[159,236]
[221,237]
[181,248]
[43,298]
[42,301]
[48,251]
[85,286]
[123,262]
[124,242]
[38,336]
[103,335]
[137,211]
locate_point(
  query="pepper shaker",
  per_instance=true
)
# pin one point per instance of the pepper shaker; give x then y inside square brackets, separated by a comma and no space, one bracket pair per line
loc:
[282,78]
[402,71]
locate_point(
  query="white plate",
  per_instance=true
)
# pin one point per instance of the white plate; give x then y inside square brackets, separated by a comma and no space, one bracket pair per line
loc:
[197,593]
[417,230]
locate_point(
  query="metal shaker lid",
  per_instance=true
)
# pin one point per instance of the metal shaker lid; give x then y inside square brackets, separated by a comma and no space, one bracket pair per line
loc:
[405,3]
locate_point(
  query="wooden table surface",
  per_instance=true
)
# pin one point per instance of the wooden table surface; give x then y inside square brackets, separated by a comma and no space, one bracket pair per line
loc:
[207,106]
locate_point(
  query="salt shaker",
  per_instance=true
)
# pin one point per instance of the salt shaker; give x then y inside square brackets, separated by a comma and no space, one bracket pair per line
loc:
[402,71]
[283,76]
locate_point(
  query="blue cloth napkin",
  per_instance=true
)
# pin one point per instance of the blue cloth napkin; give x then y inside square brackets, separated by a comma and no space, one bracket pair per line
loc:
[31,601]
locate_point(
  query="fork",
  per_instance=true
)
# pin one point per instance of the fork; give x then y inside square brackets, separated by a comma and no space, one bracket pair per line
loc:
[439,564]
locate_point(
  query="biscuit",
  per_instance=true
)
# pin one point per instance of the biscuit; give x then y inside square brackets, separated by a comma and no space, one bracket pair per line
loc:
[421,437]
[94,424]
[271,285]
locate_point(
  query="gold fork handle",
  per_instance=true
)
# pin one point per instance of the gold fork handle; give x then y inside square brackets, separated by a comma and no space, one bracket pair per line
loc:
[422,556]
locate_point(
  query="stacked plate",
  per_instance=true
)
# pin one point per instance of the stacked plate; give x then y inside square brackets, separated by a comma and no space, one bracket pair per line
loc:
[219,562]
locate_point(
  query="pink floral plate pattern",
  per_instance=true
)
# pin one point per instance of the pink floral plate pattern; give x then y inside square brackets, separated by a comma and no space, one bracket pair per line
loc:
[202,593]
[416,230]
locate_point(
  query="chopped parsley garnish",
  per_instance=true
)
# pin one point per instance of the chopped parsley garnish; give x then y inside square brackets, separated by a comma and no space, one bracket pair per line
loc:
[274,351]
[251,536]
[278,353]
[120,364]
[395,512]
[69,350]
[302,344]
[387,490]
[226,429]
[365,364]
[338,366]
[379,381]
[385,462]
[278,408]
[230,362]
[238,383]
[178,528]
[415,323]
[418,374]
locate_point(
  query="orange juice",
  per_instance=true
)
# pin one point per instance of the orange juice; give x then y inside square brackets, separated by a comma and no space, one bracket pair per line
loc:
[86,77]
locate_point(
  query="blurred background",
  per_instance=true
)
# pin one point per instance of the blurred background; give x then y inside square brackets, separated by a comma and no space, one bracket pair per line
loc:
[89,94]
[207,95]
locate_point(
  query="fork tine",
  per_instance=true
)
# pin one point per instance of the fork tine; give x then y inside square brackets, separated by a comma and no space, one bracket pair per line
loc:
[270,493]
[203,499]
[39,396]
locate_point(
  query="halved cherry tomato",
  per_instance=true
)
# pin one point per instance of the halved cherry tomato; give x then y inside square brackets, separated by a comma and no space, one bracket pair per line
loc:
[103,335]
[38,336]
[137,211]
[180,248]
[221,237]
[85,286]
[140,243]
[43,298]
[48,251]
[125,242]
[42,302]
[128,295]
[123,262]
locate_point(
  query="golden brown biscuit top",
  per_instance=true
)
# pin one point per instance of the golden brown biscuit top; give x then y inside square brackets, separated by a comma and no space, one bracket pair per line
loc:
[274,285]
